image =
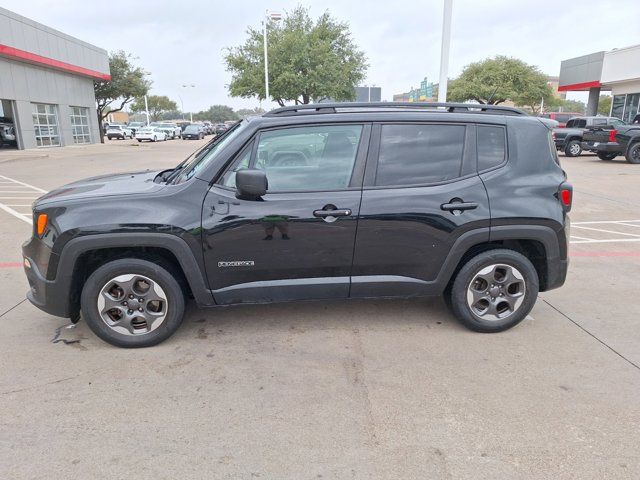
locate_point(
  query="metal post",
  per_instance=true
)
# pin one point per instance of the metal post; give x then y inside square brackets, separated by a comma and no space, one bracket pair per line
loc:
[266,61]
[444,52]
[146,109]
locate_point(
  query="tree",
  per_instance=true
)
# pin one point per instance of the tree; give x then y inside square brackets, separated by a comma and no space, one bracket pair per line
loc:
[496,80]
[247,112]
[217,114]
[127,82]
[307,61]
[604,105]
[574,106]
[158,105]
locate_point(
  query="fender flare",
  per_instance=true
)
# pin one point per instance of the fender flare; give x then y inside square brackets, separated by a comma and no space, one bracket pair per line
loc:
[177,246]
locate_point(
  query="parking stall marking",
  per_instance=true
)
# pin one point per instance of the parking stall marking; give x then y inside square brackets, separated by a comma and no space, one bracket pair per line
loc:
[624,234]
[15,197]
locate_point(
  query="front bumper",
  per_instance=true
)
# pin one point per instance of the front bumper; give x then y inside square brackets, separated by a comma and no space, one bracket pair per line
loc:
[45,294]
[604,147]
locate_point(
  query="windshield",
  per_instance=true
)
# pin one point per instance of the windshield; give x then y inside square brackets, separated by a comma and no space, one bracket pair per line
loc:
[204,157]
[192,128]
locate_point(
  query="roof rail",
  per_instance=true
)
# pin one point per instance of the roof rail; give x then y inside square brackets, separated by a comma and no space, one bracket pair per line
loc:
[345,107]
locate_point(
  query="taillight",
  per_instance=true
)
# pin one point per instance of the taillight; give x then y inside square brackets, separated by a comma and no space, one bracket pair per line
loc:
[612,135]
[565,195]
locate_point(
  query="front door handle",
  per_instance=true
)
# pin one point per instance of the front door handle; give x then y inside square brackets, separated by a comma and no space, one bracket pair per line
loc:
[338,212]
[457,204]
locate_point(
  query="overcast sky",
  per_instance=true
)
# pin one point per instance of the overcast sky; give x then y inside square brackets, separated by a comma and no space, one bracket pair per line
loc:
[183,42]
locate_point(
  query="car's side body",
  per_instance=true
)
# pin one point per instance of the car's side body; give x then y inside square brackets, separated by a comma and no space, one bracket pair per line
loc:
[152,134]
[390,241]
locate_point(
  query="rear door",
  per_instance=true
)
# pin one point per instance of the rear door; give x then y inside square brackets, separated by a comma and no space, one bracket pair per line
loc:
[296,242]
[421,194]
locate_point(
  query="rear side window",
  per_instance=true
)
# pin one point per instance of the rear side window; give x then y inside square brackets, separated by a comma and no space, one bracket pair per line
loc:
[562,118]
[492,149]
[419,154]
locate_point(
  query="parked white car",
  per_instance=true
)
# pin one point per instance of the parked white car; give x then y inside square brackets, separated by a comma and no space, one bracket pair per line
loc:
[171,129]
[153,134]
[119,131]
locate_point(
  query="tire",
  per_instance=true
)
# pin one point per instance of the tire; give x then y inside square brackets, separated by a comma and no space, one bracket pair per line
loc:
[573,148]
[155,139]
[139,140]
[633,153]
[126,274]
[607,155]
[518,294]
[110,138]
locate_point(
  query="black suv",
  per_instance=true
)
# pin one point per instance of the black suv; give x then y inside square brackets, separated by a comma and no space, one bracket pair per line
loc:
[314,202]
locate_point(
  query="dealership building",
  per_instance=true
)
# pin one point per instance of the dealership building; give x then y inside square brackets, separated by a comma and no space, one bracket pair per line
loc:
[46,83]
[617,71]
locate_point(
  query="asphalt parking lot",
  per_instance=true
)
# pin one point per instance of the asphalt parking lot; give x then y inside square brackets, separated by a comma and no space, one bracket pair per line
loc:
[345,389]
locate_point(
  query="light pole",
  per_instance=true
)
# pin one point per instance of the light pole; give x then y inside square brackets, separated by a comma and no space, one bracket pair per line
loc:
[181,106]
[275,17]
[189,85]
[444,52]
[146,109]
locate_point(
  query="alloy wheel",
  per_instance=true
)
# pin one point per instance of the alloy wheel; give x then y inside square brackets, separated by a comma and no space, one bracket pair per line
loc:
[132,304]
[574,149]
[496,292]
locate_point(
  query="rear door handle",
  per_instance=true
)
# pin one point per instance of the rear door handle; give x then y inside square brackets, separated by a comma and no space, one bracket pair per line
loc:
[339,212]
[452,206]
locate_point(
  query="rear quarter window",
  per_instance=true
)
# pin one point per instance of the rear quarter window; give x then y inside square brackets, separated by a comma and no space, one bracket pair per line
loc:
[491,146]
[419,154]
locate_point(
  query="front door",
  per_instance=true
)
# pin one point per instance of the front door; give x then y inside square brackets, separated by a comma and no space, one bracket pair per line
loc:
[297,241]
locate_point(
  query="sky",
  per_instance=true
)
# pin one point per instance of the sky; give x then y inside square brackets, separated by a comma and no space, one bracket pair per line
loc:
[183,43]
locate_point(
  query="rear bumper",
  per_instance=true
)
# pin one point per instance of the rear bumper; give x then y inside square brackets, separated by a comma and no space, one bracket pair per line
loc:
[604,147]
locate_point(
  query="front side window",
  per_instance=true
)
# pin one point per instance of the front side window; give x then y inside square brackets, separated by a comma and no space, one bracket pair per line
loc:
[80,125]
[580,123]
[45,124]
[491,146]
[308,158]
[419,154]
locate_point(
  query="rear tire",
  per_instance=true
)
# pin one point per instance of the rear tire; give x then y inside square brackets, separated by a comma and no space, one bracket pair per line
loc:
[607,155]
[573,148]
[494,291]
[139,332]
[633,153]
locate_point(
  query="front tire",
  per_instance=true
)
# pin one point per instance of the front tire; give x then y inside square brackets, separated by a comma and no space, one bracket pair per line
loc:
[633,153]
[494,291]
[132,303]
[573,148]
[607,155]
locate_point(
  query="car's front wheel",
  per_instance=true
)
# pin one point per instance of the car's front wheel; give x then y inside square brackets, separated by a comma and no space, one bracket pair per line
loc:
[494,291]
[573,148]
[132,303]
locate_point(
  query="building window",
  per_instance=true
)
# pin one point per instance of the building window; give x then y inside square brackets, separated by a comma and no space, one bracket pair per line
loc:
[617,107]
[631,107]
[45,123]
[80,125]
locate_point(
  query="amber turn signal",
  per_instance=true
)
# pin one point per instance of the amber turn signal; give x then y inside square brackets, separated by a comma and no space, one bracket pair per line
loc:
[41,224]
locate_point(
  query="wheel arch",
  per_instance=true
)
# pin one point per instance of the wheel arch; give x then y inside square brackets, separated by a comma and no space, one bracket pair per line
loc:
[83,255]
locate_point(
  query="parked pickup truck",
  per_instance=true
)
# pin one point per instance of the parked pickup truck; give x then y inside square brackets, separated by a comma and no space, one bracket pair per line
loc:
[570,138]
[609,141]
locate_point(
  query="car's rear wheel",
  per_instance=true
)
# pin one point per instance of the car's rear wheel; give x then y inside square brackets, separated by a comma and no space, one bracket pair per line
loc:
[494,291]
[573,148]
[132,303]
[633,153]
[607,155]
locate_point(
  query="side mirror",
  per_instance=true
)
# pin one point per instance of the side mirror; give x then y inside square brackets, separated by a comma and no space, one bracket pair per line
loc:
[251,183]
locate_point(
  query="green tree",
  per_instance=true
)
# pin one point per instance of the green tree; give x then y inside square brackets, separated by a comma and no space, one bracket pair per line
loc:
[216,114]
[574,106]
[496,80]
[308,61]
[158,105]
[604,105]
[127,82]
[248,112]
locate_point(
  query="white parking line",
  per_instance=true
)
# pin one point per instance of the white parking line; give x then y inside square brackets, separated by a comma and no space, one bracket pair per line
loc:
[604,221]
[607,231]
[16,191]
